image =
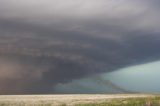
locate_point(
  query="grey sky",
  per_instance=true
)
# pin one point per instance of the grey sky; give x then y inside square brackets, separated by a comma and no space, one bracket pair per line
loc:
[44,43]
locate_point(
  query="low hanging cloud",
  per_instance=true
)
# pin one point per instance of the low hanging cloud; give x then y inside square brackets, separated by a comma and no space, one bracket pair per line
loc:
[138,78]
[44,43]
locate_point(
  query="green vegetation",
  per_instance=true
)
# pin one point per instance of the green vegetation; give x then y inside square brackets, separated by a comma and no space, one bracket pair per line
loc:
[155,101]
[150,101]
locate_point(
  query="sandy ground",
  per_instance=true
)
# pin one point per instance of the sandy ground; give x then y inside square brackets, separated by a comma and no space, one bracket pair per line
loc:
[65,99]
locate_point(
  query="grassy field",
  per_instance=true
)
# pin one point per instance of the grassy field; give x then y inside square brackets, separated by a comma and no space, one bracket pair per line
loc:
[127,102]
[79,100]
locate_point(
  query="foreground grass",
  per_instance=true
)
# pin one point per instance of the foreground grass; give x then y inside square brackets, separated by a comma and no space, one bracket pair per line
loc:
[148,101]
[154,101]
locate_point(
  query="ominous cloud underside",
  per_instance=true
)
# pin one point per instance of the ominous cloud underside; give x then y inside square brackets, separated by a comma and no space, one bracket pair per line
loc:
[47,42]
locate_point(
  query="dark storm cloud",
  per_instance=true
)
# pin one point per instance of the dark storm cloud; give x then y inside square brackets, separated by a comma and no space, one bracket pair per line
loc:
[43,43]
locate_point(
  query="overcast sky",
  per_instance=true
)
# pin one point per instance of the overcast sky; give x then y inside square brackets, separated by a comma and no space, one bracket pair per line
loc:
[45,44]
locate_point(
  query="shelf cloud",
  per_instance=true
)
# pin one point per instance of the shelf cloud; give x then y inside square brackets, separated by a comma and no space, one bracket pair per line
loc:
[44,43]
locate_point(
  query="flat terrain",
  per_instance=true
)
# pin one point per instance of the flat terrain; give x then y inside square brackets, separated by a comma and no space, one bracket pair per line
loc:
[61,100]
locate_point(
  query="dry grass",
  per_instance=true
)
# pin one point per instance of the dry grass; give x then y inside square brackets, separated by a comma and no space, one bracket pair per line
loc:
[75,100]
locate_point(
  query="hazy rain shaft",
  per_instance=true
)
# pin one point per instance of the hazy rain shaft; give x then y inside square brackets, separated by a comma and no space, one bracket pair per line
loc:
[44,43]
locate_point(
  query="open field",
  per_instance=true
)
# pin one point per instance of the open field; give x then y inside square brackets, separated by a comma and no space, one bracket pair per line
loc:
[80,100]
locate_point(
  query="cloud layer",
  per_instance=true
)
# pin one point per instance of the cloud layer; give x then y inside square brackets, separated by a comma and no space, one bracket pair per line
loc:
[141,78]
[44,43]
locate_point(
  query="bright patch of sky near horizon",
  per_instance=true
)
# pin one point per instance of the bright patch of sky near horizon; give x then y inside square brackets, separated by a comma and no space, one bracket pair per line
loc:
[140,78]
